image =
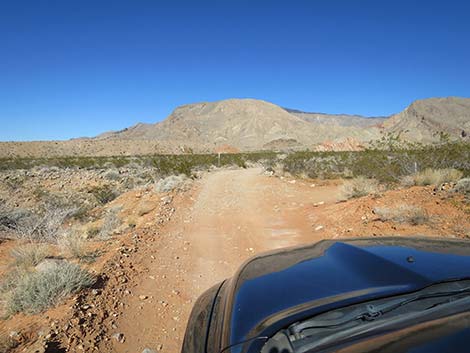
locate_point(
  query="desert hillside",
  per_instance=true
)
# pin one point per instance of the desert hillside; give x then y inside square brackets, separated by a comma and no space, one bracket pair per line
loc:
[253,125]
[423,120]
[246,124]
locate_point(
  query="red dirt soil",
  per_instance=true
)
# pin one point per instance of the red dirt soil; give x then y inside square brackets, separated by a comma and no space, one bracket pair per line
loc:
[153,274]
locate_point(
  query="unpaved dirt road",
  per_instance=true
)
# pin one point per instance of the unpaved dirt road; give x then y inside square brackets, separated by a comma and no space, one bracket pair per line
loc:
[230,216]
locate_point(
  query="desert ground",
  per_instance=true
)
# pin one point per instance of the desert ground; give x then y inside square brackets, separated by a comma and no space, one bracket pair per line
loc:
[173,245]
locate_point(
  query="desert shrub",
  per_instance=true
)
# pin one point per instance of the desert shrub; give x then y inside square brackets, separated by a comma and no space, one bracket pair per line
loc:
[403,214]
[113,175]
[29,255]
[436,176]
[15,182]
[44,225]
[171,183]
[39,193]
[388,161]
[463,186]
[73,244]
[10,217]
[34,292]
[359,187]
[104,193]
[110,223]
[7,343]
[92,232]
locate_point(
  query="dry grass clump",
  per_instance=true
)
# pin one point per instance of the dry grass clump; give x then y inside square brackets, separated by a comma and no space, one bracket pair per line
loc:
[29,255]
[436,176]
[403,214]
[33,292]
[110,223]
[359,187]
[74,245]
[171,183]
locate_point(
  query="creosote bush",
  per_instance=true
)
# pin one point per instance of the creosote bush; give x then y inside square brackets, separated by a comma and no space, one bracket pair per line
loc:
[33,292]
[403,214]
[359,187]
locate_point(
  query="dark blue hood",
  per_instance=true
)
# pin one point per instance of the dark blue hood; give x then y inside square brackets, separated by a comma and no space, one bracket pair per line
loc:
[273,290]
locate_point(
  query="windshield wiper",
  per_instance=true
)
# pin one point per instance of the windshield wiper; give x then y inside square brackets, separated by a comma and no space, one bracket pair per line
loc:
[372,312]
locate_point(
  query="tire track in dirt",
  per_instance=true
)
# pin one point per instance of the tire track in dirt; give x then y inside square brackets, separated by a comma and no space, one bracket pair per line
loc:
[230,216]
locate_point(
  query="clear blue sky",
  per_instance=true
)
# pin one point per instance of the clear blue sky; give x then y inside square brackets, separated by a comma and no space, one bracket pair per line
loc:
[71,68]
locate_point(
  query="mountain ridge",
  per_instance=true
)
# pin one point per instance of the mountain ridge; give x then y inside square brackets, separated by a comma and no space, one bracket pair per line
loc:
[247,124]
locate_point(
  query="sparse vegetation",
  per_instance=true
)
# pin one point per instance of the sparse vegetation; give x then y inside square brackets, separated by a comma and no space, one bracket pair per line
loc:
[164,165]
[110,223]
[431,176]
[104,193]
[42,225]
[74,245]
[113,175]
[33,292]
[92,232]
[387,162]
[359,187]
[29,255]
[7,343]
[403,214]
[171,183]
[463,186]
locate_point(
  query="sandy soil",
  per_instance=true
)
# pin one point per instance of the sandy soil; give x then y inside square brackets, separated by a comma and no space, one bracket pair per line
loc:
[232,215]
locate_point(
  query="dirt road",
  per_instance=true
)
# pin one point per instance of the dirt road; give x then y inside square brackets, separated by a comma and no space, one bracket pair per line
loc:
[230,216]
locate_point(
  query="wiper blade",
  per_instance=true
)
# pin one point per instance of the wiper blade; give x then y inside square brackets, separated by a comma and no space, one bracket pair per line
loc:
[371,312]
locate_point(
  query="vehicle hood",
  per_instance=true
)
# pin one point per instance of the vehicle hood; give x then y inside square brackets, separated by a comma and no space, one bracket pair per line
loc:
[276,289]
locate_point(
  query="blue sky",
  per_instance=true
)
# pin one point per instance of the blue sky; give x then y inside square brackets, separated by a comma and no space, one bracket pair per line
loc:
[71,68]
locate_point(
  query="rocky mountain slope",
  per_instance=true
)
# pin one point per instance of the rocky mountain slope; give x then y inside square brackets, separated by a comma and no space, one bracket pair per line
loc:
[246,124]
[338,119]
[425,119]
[249,124]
